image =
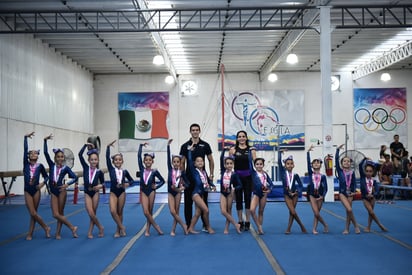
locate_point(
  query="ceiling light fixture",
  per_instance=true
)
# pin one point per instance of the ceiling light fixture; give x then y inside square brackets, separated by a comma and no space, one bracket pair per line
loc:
[292,58]
[272,77]
[169,79]
[385,77]
[158,60]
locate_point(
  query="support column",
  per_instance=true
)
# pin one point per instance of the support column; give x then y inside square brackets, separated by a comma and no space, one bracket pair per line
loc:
[325,69]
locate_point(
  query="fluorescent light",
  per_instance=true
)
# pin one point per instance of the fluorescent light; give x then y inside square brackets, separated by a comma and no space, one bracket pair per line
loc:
[169,79]
[272,77]
[385,77]
[292,58]
[158,60]
[379,50]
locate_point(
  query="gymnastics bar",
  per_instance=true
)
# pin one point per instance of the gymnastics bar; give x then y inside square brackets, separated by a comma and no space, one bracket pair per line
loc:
[14,174]
[394,187]
[10,174]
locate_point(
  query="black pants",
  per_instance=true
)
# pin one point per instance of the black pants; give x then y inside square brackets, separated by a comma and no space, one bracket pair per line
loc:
[244,193]
[188,204]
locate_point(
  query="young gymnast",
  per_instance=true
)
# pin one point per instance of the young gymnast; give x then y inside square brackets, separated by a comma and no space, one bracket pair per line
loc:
[32,186]
[292,185]
[120,179]
[229,181]
[93,182]
[148,187]
[317,189]
[57,172]
[347,188]
[262,185]
[176,183]
[369,189]
[202,184]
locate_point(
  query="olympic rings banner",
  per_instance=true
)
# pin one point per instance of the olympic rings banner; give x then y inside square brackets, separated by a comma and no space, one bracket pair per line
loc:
[269,117]
[143,117]
[379,113]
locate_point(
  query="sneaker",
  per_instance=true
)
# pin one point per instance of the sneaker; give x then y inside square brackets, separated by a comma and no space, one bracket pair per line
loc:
[247,226]
[242,226]
[204,229]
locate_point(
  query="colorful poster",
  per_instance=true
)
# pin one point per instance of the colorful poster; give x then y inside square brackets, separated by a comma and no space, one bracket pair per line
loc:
[143,117]
[269,117]
[379,113]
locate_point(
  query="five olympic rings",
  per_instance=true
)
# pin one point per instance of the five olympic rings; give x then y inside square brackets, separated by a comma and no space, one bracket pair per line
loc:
[380,117]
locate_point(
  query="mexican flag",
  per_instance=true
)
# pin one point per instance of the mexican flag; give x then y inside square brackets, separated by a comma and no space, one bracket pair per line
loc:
[143,124]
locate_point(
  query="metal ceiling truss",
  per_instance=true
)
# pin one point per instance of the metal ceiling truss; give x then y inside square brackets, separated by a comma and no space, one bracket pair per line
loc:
[217,19]
[402,52]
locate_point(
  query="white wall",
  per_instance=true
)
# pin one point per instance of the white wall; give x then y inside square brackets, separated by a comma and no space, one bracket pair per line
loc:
[202,108]
[40,91]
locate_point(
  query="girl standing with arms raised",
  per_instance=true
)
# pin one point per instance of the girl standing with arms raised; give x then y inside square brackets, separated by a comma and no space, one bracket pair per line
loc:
[262,185]
[201,184]
[119,180]
[58,186]
[369,189]
[148,187]
[291,186]
[317,189]
[93,182]
[241,154]
[176,183]
[347,189]
[229,181]
[32,186]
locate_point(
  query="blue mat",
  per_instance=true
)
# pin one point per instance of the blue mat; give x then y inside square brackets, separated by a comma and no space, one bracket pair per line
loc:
[332,253]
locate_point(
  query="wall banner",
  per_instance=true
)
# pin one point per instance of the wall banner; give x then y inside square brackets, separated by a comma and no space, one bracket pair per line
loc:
[269,117]
[379,113]
[143,117]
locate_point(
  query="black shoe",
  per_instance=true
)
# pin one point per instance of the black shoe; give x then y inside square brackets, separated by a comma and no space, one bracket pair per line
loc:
[242,226]
[247,226]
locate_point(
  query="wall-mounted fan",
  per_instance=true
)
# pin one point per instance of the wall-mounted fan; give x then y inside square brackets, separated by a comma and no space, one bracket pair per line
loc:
[356,158]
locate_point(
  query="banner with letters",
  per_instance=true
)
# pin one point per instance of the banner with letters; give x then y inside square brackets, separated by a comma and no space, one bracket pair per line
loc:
[379,114]
[143,117]
[269,117]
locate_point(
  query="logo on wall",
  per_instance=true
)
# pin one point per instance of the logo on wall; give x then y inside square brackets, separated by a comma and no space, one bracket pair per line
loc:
[380,118]
[260,119]
[379,113]
[266,116]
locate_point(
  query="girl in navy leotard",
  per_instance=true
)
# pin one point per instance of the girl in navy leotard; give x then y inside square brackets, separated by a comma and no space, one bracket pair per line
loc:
[202,184]
[292,185]
[369,189]
[120,179]
[229,182]
[317,189]
[347,189]
[262,185]
[57,172]
[176,183]
[148,187]
[93,182]
[32,185]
